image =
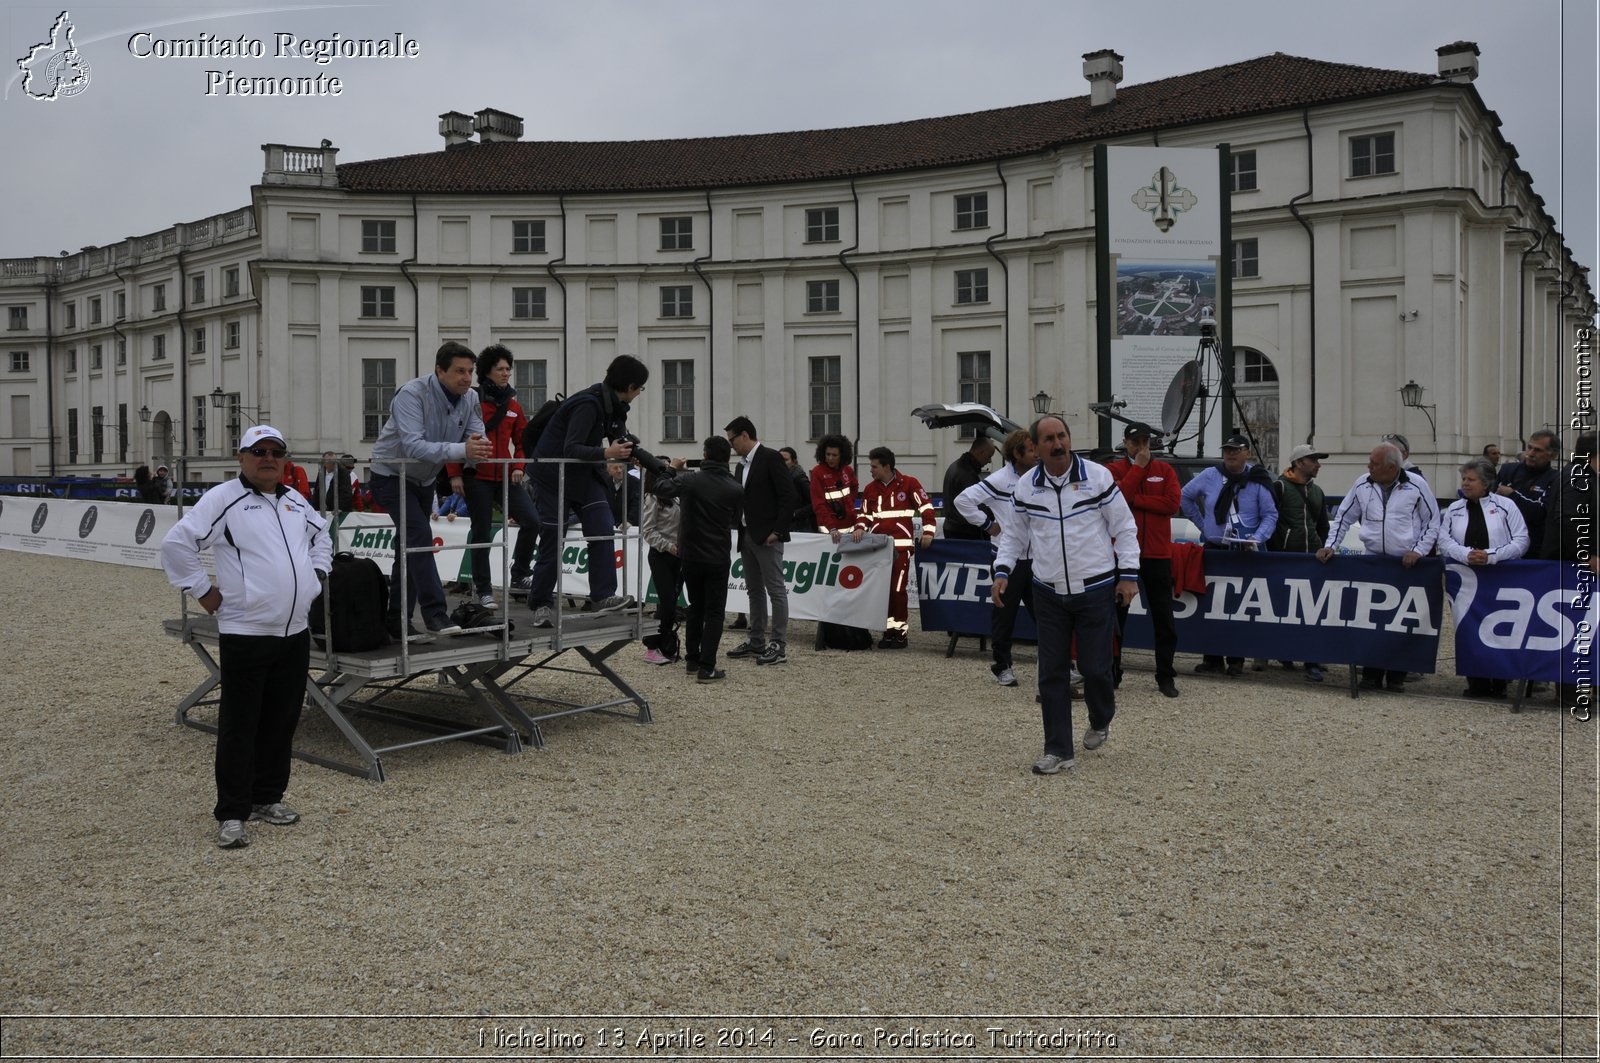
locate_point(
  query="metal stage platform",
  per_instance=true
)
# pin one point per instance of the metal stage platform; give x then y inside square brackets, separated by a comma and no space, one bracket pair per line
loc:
[491,694]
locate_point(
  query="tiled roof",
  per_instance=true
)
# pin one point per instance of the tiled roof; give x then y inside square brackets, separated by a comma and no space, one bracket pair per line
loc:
[1256,86]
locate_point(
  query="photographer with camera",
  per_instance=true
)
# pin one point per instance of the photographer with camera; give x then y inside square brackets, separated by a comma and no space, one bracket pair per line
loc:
[577,431]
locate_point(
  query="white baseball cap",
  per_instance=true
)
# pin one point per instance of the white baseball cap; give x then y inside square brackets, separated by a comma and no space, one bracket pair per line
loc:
[258,433]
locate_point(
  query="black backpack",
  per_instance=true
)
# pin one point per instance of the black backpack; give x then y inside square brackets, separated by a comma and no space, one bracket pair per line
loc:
[845,637]
[538,422]
[360,601]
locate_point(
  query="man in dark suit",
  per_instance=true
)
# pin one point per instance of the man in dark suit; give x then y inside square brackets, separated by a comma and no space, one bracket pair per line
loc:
[341,497]
[768,508]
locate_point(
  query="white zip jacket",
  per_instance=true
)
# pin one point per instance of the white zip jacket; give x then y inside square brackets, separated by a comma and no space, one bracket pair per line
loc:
[1079,529]
[268,550]
[981,503]
[1409,521]
[1508,532]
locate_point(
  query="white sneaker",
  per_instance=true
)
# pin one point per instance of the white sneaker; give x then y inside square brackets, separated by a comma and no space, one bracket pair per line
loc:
[232,835]
[487,601]
[1006,677]
[1093,739]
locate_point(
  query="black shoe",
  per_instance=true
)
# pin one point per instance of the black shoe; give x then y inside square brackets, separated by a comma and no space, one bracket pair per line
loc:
[1397,686]
[773,654]
[1167,687]
[746,649]
[1370,684]
[712,676]
[740,623]
[893,642]
[691,665]
[1207,668]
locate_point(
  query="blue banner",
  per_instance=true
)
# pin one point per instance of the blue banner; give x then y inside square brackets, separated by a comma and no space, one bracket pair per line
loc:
[1524,620]
[1352,610]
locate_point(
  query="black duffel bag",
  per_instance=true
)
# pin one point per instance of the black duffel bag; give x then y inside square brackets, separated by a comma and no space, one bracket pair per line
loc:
[360,601]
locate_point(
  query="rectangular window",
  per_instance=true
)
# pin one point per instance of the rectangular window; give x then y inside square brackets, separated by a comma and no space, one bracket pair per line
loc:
[94,310]
[822,225]
[677,234]
[235,427]
[197,288]
[200,423]
[158,298]
[158,348]
[531,381]
[1244,171]
[19,362]
[822,297]
[527,237]
[527,302]
[826,398]
[377,391]
[1246,258]
[97,357]
[377,301]
[72,437]
[71,314]
[119,301]
[1372,154]
[972,285]
[972,377]
[122,351]
[972,210]
[122,431]
[17,319]
[97,433]
[677,300]
[230,335]
[677,401]
[230,281]
[72,359]
[197,343]
[377,237]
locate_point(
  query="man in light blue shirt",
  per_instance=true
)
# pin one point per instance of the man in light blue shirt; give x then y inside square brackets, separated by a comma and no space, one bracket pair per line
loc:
[432,420]
[1233,508]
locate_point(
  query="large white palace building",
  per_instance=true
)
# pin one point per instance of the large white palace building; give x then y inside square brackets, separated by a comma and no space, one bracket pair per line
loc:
[829,280]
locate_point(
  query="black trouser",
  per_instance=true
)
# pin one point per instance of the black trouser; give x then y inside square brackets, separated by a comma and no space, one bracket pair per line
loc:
[1155,574]
[1213,659]
[667,571]
[1003,618]
[422,575]
[707,585]
[263,687]
[481,498]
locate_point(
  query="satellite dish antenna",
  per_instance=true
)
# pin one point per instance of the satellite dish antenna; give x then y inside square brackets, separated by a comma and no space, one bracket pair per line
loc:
[1181,395]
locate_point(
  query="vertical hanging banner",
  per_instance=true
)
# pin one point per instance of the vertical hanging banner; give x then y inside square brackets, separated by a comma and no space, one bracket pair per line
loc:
[1162,227]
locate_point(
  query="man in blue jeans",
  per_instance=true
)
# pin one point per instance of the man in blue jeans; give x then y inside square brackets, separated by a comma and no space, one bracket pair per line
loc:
[1069,513]
[432,420]
[578,431]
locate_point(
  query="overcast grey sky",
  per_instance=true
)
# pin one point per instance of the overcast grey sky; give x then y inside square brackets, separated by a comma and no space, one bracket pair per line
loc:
[143,146]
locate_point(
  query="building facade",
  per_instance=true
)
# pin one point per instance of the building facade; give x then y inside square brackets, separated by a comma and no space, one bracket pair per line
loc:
[829,280]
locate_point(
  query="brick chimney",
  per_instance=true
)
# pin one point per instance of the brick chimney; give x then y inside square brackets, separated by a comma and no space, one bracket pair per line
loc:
[1458,62]
[456,128]
[495,127]
[1103,69]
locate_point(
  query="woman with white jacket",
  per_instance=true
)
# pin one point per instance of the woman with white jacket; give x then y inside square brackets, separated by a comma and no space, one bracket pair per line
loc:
[1481,528]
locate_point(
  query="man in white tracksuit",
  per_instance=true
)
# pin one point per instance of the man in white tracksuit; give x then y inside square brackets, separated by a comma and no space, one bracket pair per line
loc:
[271,553]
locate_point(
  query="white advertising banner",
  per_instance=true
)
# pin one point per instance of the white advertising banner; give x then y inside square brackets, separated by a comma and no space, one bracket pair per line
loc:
[1164,249]
[117,533]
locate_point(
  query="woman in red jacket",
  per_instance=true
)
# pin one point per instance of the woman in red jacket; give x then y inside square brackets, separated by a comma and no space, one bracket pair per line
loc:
[834,486]
[481,484]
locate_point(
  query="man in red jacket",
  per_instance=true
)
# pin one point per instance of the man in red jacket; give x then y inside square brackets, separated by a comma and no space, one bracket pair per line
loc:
[1151,489]
[888,505]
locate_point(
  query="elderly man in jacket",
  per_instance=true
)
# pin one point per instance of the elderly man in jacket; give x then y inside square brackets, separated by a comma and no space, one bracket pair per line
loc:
[1398,519]
[272,553]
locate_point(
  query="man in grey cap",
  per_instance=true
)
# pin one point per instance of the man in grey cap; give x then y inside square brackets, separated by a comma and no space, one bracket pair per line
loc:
[1302,517]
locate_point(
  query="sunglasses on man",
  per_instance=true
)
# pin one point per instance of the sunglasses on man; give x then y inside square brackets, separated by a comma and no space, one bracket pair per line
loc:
[269,452]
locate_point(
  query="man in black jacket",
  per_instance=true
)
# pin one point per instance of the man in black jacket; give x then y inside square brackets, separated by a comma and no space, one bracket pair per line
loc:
[1529,484]
[710,504]
[768,507]
[332,489]
[962,474]
[579,430]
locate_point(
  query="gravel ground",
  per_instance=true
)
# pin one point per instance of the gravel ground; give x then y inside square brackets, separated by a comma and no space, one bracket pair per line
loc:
[845,846]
